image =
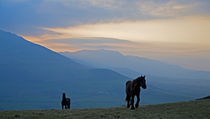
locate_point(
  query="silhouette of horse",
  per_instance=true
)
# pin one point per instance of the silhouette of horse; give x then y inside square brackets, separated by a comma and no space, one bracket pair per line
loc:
[133,89]
[65,103]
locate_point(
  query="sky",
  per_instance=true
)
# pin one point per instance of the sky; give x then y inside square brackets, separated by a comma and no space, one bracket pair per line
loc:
[173,31]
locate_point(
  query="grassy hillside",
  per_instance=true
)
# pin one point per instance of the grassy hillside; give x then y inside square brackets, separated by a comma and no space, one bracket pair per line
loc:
[199,109]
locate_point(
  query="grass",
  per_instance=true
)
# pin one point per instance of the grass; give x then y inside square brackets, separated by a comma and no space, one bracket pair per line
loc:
[199,109]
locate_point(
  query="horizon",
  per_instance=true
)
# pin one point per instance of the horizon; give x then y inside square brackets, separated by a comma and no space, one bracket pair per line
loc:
[175,32]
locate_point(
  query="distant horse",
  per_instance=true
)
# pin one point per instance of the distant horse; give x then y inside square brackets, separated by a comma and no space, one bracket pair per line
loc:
[133,89]
[65,103]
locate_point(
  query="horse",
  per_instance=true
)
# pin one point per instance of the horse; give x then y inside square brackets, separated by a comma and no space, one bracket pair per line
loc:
[133,89]
[65,103]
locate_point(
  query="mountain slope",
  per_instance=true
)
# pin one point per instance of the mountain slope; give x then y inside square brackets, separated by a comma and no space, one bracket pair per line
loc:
[34,77]
[182,110]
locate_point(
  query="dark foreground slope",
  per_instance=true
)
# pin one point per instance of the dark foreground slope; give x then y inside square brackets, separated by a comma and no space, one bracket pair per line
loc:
[199,109]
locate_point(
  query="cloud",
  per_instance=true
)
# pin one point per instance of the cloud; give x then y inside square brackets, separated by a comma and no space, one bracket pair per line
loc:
[173,8]
[155,8]
[186,35]
[90,40]
[18,0]
[182,30]
[106,4]
[21,16]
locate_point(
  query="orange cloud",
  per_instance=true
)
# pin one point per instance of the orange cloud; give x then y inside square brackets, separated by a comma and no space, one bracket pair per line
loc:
[186,30]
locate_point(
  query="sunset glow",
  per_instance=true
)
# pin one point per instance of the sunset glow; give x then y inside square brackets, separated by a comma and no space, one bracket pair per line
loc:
[176,32]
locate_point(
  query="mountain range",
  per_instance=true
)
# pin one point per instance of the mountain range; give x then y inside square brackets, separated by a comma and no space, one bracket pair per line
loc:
[34,77]
[132,65]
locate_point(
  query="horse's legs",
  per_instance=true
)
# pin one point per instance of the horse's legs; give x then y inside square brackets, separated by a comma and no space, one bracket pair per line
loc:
[137,102]
[128,103]
[68,106]
[132,102]
[128,100]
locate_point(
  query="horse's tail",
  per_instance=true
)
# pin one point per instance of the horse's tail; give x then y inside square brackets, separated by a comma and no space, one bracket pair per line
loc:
[127,90]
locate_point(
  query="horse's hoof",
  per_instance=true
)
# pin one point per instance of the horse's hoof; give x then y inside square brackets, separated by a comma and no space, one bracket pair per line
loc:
[136,106]
[132,108]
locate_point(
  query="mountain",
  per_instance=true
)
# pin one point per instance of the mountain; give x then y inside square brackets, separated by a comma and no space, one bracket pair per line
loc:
[115,60]
[34,77]
[171,78]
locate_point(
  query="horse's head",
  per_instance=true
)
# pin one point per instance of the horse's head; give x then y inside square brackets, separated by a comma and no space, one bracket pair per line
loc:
[64,95]
[142,82]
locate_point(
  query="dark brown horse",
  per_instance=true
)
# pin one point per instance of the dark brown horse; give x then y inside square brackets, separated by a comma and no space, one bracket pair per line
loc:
[65,103]
[133,89]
